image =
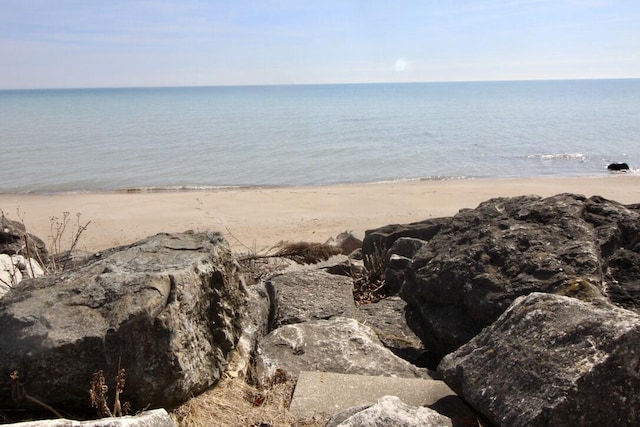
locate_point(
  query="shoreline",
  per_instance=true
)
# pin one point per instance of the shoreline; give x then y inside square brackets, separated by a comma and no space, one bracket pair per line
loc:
[257,218]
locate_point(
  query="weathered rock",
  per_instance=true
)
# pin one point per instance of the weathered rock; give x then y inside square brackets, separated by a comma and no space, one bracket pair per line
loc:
[255,324]
[153,418]
[470,267]
[166,309]
[347,241]
[311,295]
[398,260]
[348,267]
[387,318]
[624,167]
[391,411]
[13,268]
[14,240]
[338,345]
[327,393]
[552,360]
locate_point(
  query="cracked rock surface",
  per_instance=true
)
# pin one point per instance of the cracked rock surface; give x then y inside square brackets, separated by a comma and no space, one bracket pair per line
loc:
[166,309]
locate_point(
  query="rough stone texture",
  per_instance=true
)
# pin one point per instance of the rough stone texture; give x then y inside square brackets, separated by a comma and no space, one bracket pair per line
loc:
[13,239]
[338,345]
[311,295]
[552,360]
[391,411]
[387,318]
[154,418]
[347,241]
[398,260]
[255,324]
[349,267]
[166,309]
[469,268]
[13,268]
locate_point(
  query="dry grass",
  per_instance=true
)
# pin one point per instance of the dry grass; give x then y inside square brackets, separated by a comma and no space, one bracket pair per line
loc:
[300,252]
[235,403]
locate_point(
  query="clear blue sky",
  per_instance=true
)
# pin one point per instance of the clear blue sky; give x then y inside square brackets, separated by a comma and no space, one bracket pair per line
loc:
[112,43]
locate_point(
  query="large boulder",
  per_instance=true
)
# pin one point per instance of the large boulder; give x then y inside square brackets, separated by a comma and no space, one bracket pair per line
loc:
[166,309]
[469,268]
[552,360]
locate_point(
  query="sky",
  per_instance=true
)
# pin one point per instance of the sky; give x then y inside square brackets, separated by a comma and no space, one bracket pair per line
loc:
[141,43]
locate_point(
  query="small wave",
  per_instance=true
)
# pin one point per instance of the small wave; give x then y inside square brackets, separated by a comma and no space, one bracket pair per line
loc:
[176,188]
[559,156]
[419,179]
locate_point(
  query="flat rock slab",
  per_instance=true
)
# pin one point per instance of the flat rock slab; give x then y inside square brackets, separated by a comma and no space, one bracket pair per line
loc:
[336,345]
[311,295]
[329,393]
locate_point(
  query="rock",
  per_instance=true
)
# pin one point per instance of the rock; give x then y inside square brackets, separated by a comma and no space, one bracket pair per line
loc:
[387,318]
[14,240]
[618,167]
[167,309]
[326,393]
[153,418]
[348,267]
[310,295]
[255,324]
[397,260]
[377,242]
[552,360]
[338,345]
[391,411]
[347,241]
[13,268]
[469,268]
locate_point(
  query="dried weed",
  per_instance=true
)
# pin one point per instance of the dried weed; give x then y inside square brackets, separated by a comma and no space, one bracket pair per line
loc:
[235,403]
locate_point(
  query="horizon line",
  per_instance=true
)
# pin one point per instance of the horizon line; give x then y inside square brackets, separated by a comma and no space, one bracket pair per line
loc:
[312,84]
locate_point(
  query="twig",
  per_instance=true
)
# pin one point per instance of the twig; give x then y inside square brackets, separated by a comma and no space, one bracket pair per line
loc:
[18,394]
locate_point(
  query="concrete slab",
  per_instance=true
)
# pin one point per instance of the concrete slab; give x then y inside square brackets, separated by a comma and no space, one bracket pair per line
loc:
[329,393]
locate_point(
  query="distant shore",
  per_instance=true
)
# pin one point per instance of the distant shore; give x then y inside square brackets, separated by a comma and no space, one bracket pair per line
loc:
[259,218]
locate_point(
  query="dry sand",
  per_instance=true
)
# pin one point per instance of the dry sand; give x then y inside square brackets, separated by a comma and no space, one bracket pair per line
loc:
[259,218]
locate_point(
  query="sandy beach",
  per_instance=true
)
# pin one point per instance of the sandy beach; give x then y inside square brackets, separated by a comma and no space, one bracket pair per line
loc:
[258,218]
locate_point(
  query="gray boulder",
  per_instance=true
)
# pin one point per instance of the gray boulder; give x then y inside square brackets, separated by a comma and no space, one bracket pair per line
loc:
[338,345]
[310,295]
[552,360]
[387,318]
[166,309]
[390,411]
[469,268]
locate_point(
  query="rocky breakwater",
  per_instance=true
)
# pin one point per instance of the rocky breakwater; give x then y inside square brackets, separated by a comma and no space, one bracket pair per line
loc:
[167,309]
[459,274]
[533,303]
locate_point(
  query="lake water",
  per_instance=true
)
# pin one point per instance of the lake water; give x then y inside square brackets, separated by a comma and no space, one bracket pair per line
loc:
[200,137]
